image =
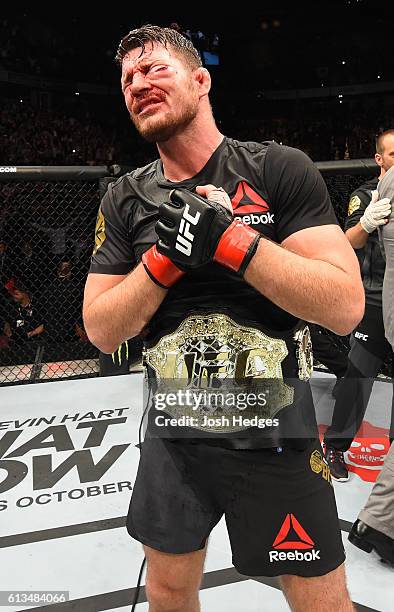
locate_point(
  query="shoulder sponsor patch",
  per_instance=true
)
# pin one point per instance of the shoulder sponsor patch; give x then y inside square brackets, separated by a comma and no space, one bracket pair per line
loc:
[354,204]
[99,234]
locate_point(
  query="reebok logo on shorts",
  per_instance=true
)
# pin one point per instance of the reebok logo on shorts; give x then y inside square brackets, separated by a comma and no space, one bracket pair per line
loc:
[253,208]
[293,538]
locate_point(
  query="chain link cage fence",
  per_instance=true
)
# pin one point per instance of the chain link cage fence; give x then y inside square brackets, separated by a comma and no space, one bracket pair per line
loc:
[47,224]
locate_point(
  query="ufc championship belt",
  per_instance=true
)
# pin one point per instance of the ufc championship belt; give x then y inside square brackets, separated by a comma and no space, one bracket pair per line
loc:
[214,358]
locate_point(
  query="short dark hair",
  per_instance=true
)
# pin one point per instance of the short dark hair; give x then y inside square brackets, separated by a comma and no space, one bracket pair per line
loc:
[164,36]
[380,138]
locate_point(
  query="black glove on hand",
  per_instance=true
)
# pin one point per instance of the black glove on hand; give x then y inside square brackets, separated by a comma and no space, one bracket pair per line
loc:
[193,231]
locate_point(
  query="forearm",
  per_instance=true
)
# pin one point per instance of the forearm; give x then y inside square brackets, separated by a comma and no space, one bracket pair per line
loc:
[122,311]
[357,236]
[309,289]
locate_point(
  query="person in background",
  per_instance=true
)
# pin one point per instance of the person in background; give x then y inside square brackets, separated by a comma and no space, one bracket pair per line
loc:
[374,527]
[23,321]
[369,346]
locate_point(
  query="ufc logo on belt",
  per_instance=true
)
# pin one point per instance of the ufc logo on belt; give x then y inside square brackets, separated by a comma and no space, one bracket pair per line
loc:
[184,240]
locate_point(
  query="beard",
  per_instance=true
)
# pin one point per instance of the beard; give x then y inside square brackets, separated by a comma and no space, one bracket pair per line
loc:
[162,127]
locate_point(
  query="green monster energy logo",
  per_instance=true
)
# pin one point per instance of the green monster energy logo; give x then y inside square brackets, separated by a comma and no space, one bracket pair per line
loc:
[118,352]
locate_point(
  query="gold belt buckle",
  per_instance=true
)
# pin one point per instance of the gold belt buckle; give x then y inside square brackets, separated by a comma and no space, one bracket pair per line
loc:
[208,348]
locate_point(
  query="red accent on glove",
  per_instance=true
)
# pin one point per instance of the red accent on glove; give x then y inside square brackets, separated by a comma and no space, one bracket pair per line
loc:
[160,268]
[235,244]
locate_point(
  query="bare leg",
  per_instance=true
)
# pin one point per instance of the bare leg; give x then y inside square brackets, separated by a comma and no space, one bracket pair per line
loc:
[319,594]
[173,581]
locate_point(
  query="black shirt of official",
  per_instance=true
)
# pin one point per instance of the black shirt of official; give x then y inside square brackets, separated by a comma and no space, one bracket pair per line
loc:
[370,257]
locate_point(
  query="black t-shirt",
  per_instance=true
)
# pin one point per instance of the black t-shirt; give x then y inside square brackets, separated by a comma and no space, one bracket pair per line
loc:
[275,189]
[370,257]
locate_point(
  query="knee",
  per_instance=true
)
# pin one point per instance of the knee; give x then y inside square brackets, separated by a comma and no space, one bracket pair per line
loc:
[167,598]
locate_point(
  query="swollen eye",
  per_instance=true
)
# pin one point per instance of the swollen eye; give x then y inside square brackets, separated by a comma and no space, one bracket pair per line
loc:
[157,68]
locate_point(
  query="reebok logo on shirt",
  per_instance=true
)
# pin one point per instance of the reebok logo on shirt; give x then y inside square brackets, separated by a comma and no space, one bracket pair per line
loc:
[253,208]
[256,219]
[285,541]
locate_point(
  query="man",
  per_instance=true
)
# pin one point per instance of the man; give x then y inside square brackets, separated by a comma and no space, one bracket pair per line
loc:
[24,322]
[369,347]
[386,234]
[374,528]
[210,282]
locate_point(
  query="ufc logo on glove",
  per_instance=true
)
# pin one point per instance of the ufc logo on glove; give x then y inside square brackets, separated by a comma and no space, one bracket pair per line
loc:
[216,237]
[185,237]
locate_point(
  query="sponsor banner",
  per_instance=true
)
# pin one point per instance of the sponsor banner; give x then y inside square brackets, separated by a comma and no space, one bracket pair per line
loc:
[68,452]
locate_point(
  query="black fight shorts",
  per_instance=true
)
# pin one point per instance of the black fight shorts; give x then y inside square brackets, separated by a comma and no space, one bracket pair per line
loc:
[279,508]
